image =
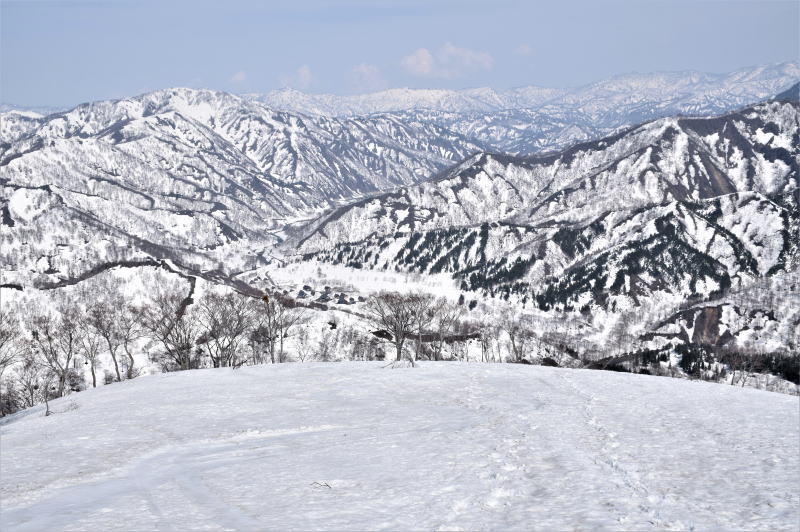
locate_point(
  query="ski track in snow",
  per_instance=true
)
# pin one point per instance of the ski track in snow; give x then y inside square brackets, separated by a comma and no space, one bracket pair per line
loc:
[179,464]
[445,446]
[607,444]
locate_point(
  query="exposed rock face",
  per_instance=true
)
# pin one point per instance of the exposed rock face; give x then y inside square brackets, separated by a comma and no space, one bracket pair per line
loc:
[706,326]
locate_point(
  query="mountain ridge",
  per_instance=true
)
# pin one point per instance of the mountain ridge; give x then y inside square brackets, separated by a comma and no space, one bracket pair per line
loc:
[226,189]
[769,80]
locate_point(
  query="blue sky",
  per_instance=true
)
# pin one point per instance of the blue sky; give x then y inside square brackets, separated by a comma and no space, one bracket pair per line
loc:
[65,52]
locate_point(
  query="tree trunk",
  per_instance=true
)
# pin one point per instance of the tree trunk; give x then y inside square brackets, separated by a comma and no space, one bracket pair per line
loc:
[116,366]
[62,383]
[185,361]
[130,363]
[112,352]
[94,376]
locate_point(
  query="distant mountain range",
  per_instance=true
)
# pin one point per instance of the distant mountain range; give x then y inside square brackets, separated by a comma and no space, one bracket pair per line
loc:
[529,120]
[681,92]
[604,199]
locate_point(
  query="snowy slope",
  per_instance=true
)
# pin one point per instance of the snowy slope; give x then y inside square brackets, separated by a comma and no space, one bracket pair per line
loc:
[185,132]
[522,131]
[671,212]
[15,124]
[752,150]
[201,177]
[445,446]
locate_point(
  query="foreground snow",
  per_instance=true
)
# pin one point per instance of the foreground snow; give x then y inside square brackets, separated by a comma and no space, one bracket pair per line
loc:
[441,446]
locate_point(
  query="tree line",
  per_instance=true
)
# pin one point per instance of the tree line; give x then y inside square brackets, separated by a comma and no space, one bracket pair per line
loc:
[46,351]
[85,337]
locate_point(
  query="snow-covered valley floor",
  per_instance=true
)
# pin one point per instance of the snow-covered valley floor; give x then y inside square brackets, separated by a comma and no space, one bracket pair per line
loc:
[442,446]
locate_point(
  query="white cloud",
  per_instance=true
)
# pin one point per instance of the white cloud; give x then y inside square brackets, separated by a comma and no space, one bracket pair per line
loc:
[449,61]
[420,63]
[523,49]
[302,78]
[239,77]
[366,78]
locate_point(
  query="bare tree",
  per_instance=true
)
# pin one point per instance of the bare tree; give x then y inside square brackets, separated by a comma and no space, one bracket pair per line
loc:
[446,316]
[11,345]
[10,397]
[91,345]
[424,309]
[288,321]
[35,382]
[327,345]
[117,322]
[519,336]
[275,321]
[48,377]
[102,321]
[130,330]
[303,345]
[488,334]
[226,321]
[168,323]
[742,361]
[28,377]
[56,339]
[265,333]
[392,312]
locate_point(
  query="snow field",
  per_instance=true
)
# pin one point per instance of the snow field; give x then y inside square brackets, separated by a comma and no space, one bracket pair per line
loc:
[445,446]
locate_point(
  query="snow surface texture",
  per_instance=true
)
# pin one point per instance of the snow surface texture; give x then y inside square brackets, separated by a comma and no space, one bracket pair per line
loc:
[444,446]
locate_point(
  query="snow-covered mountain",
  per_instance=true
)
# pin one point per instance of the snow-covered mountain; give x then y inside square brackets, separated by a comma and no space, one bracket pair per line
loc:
[532,119]
[640,97]
[191,174]
[463,101]
[327,158]
[519,131]
[792,94]
[38,110]
[603,108]
[666,160]
[654,217]
[674,210]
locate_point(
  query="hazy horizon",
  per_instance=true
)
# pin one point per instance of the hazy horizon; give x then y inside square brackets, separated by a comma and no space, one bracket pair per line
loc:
[458,89]
[59,54]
